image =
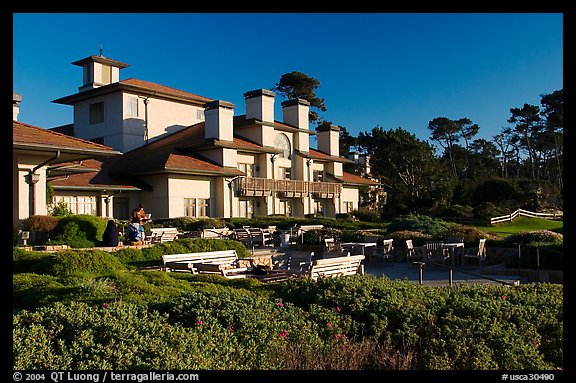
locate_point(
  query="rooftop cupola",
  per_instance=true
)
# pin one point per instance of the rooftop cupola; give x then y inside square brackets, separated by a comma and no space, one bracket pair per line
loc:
[99,71]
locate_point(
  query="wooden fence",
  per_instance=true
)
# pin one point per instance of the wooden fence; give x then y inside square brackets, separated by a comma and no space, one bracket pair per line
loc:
[526,213]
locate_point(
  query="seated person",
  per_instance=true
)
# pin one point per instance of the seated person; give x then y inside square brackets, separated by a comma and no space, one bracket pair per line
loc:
[110,235]
[135,232]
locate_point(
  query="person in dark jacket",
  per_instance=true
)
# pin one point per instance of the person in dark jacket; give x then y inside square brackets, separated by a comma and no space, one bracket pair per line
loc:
[110,236]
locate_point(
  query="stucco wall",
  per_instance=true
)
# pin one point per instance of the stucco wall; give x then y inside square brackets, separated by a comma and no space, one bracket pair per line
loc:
[349,194]
[180,188]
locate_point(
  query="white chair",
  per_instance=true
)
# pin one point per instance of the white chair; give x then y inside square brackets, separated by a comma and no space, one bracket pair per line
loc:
[414,253]
[475,254]
[384,253]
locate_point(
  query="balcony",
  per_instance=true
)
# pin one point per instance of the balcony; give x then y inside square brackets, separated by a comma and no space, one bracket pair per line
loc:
[251,186]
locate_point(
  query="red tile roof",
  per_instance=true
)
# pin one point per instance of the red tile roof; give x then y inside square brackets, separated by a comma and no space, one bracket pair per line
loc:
[137,86]
[147,85]
[318,155]
[33,136]
[349,178]
[95,175]
[171,153]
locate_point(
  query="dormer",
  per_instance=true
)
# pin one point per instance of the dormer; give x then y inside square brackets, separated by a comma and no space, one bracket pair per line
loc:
[99,71]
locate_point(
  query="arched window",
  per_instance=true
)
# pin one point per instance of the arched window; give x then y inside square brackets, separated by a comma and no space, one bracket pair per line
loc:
[283,143]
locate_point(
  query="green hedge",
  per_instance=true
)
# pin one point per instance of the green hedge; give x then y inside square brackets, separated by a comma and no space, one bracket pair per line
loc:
[361,322]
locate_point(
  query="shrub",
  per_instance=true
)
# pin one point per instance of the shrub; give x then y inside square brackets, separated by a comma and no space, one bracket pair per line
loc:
[345,216]
[25,261]
[455,211]
[415,222]
[367,215]
[418,238]
[40,223]
[129,256]
[82,262]
[539,249]
[205,223]
[316,236]
[363,236]
[223,324]
[470,234]
[487,210]
[533,237]
[60,210]
[79,231]
[30,290]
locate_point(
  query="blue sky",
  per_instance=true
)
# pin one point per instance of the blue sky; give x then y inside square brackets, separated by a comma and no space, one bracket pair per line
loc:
[386,69]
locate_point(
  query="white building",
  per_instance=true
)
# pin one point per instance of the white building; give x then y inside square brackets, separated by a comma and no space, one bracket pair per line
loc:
[188,155]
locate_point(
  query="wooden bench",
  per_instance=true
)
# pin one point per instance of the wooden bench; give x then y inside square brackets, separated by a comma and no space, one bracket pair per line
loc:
[260,236]
[332,267]
[223,262]
[162,234]
[243,235]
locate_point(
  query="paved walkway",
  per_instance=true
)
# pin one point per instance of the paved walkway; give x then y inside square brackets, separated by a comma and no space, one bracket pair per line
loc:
[436,276]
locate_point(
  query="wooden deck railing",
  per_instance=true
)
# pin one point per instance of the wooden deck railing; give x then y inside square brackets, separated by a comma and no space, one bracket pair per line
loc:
[266,185]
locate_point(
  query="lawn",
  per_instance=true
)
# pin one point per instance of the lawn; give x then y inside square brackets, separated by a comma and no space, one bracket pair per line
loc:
[524,224]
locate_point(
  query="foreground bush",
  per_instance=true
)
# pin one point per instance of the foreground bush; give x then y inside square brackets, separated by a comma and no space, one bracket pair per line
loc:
[79,231]
[361,322]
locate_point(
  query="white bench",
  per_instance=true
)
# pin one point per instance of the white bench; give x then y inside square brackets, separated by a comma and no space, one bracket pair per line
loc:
[223,262]
[333,267]
[162,234]
[220,233]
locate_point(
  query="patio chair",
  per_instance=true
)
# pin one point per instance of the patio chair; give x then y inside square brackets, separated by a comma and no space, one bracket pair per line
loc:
[383,253]
[414,253]
[435,253]
[475,254]
[331,245]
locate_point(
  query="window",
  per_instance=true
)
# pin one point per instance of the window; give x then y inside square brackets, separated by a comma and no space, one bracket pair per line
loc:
[284,173]
[200,115]
[283,143]
[197,207]
[132,107]
[78,204]
[248,169]
[190,207]
[96,113]
[246,208]
[317,175]
[286,207]
[203,207]
[348,207]
[319,207]
[120,208]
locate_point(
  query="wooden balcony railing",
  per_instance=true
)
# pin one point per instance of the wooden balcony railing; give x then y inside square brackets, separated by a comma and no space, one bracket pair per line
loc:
[263,186]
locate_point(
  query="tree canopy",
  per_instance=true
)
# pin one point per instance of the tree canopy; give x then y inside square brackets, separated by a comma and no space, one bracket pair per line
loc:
[299,85]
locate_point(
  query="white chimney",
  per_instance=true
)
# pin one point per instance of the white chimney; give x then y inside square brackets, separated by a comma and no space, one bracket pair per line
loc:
[295,112]
[219,116]
[16,98]
[329,139]
[260,105]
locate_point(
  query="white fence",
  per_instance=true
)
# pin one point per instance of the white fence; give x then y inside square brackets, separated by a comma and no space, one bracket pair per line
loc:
[526,213]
